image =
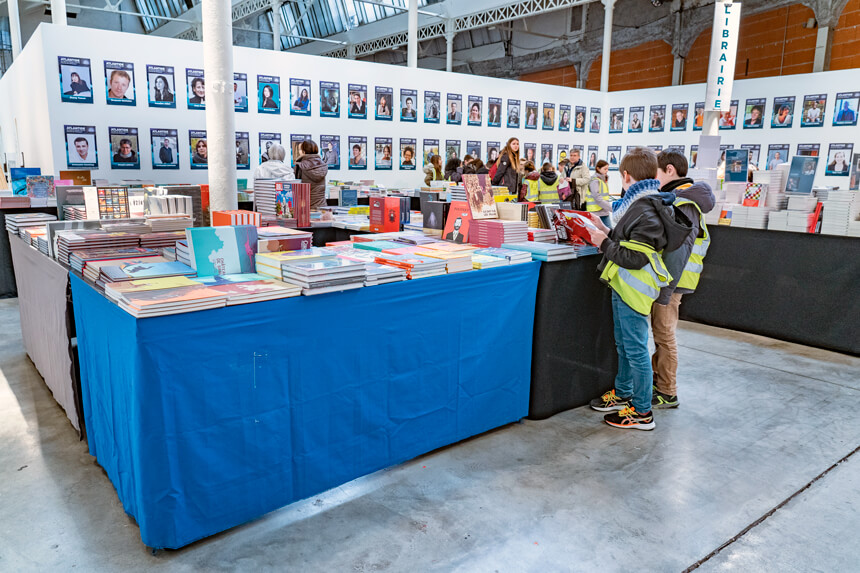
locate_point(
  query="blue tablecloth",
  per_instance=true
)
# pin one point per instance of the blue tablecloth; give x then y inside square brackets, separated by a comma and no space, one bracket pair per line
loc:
[206,420]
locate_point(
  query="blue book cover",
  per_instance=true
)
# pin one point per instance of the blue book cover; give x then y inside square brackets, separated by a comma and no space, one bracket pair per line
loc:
[222,250]
[230,279]
[19,175]
[154,270]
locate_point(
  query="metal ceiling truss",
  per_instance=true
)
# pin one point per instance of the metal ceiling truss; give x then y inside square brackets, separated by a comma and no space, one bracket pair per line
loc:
[483,19]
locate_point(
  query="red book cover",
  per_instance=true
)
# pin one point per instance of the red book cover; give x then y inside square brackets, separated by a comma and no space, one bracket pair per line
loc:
[813,224]
[458,222]
[384,214]
[281,245]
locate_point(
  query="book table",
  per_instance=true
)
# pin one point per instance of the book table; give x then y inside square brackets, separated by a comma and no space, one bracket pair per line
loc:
[47,326]
[798,287]
[207,420]
[7,274]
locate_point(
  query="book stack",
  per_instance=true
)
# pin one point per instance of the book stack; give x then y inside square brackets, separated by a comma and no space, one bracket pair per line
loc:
[840,209]
[544,251]
[799,221]
[274,239]
[14,201]
[14,223]
[513,257]
[78,260]
[237,217]
[222,250]
[266,192]
[546,214]
[183,253]
[513,211]
[271,264]
[750,217]
[170,205]
[541,235]
[778,221]
[853,229]
[533,219]
[585,250]
[454,262]
[161,240]
[495,232]
[150,303]
[380,245]
[74,212]
[159,223]
[92,269]
[136,226]
[324,276]
[802,203]
[115,291]
[457,193]
[273,221]
[127,271]
[415,267]
[383,274]
[488,262]
[68,241]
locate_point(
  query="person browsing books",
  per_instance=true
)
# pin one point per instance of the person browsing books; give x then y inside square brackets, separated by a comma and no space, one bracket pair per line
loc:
[275,168]
[646,223]
[310,168]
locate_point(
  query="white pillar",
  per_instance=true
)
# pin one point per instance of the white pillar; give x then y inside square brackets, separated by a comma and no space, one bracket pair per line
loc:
[58,12]
[449,45]
[823,45]
[711,123]
[220,121]
[276,25]
[412,35]
[14,28]
[678,71]
[609,8]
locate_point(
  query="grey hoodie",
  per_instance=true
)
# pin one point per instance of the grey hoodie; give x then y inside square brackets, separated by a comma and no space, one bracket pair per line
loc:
[675,261]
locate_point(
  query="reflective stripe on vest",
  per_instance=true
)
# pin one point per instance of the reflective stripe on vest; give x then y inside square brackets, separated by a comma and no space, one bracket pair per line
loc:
[638,288]
[590,205]
[695,265]
[540,191]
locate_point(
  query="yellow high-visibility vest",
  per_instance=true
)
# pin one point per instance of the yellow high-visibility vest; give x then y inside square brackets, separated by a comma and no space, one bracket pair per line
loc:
[540,191]
[693,270]
[590,205]
[638,288]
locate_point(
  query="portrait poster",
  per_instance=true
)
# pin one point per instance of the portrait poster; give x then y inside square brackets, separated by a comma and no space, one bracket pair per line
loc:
[846,108]
[592,156]
[199,149]
[754,153]
[383,99]
[357,152]
[330,151]
[493,148]
[432,107]
[594,126]
[269,94]
[81,146]
[729,117]
[658,118]
[300,96]
[409,105]
[637,119]
[529,153]
[455,109]
[546,154]
[616,120]
[383,154]
[165,148]
[196,88]
[452,149]
[407,154]
[160,86]
[783,112]
[494,112]
[76,80]
[562,151]
[839,160]
[814,108]
[431,148]
[548,116]
[698,115]
[124,148]
[679,117]
[613,156]
[473,148]
[531,115]
[476,104]
[754,113]
[808,149]
[514,113]
[777,153]
[296,140]
[243,150]
[240,92]
[564,118]
[329,99]
[267,140]
[119,83]
[357,101]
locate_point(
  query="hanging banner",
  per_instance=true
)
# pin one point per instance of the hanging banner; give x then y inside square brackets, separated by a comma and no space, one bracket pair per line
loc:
[724,51]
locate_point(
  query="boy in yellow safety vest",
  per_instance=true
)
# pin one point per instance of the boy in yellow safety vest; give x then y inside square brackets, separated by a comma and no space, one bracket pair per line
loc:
[644,224]
[694,200]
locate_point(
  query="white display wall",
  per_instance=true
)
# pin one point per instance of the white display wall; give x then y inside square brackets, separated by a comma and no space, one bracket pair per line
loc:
[33,115]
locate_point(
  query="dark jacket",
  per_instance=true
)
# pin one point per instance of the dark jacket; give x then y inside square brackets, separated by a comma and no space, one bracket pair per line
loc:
[675,261]
[651,220]
[506,174]
[312,169]
[456,175]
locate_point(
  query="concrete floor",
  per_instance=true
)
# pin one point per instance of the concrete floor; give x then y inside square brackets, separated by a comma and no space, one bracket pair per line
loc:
[760,419]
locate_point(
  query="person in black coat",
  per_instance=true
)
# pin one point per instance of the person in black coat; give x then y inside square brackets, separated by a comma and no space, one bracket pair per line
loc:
[507,167]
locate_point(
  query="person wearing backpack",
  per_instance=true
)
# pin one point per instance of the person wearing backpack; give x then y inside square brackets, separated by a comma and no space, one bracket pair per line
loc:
[507,167]
[694,199]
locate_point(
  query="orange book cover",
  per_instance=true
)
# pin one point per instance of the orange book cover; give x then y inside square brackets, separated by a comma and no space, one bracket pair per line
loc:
[458,222]
[384,214]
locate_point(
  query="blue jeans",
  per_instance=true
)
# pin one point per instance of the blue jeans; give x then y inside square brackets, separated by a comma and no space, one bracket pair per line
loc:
[635,376]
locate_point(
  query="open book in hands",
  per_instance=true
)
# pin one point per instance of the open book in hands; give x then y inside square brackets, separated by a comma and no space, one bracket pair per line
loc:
[575,227]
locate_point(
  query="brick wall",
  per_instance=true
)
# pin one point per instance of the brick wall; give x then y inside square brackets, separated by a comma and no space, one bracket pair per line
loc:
[647,65]
[565,76]
[846,39]
[772,43]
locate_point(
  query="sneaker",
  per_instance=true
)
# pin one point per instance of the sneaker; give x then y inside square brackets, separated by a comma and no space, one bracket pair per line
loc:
[629,418]
[609,402]
[663,401]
